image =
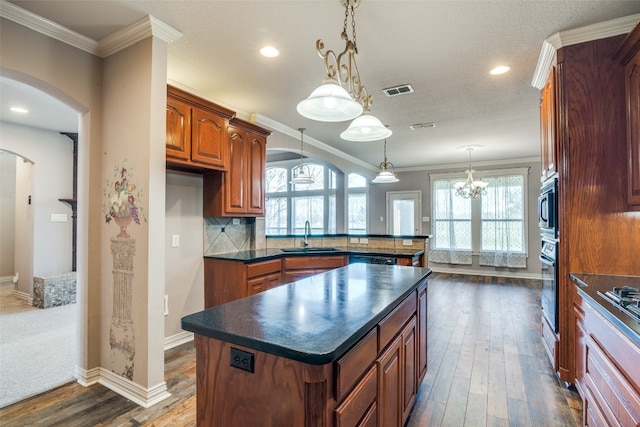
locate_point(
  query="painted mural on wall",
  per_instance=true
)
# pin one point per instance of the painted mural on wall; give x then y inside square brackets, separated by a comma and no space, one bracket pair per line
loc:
[122,207]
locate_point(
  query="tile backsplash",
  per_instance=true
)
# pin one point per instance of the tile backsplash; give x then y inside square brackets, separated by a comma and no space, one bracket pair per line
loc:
[222,235]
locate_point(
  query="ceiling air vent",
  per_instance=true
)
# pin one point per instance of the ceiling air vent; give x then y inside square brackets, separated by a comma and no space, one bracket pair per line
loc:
[398,90]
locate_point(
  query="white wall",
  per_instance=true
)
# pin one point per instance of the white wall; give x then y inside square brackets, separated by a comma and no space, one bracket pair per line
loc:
[7,212]
[52,179]
[184,271]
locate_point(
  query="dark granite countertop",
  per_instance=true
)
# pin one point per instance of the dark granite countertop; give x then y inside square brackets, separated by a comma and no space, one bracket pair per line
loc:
[314,320]
[265,254]
[588,287]
[391,236]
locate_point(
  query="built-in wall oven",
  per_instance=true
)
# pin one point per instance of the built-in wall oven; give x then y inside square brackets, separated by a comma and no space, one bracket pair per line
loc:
[548,259]
[548,222]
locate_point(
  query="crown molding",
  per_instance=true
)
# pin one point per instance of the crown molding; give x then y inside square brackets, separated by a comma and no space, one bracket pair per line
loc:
[115,42]
[510,162]
[140,30]
[277,126]
[48,28]
[588,33]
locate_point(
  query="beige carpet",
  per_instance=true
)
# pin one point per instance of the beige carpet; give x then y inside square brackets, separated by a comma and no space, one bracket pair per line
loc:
[37,347]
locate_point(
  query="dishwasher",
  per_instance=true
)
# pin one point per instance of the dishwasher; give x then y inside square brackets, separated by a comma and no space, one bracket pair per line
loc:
[371,259]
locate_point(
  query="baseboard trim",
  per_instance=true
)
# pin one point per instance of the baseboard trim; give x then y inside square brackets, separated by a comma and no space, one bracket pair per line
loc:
[469,272]
[23,295]
[86,378]
[145,397]
[177,339]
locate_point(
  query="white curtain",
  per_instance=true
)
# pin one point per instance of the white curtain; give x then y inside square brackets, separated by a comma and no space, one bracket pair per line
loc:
[451,225]
[502,230]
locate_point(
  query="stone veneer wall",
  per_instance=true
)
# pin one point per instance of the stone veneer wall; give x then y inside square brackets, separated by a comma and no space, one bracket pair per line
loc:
[54,291]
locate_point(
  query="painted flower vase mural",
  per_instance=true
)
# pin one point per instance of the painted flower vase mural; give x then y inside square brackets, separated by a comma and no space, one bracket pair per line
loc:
[122,196]
[122,206]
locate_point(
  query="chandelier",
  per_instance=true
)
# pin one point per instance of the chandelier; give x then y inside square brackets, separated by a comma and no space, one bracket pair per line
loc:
[301,173]
[386,174]
[331,102]
[470,188]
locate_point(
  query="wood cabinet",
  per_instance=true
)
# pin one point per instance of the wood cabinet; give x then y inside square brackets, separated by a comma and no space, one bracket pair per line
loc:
[415,261]
[629,57]
[607,373]
[240,191]
[196,131]
[422,331]
[548,121]
[299,267]
[228,280]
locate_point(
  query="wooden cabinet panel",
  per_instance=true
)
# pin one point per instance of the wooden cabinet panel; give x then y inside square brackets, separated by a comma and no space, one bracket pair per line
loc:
[394,321]
[262,268]
[422,331]
[196,129]
[314,262]
[390,385]
[550,341]
[548,119]
[409,368]
[178,143]
[629,56]
[240,191]
[349,366]
[209,144]
[355,410]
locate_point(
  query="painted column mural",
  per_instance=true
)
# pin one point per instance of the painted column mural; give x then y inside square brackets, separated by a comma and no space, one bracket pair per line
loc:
[121,206]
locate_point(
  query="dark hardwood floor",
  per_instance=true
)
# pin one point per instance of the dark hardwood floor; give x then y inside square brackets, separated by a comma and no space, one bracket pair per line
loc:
[487,367]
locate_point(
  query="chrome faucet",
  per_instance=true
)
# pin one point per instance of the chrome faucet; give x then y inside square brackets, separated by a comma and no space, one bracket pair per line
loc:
[307,231]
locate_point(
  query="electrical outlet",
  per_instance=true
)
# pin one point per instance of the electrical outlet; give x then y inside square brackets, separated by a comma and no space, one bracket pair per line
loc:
[407,242]
[236,221]
[175,240]
[353,240]
[166,305]
[242,360]
[426,219]
[364,240]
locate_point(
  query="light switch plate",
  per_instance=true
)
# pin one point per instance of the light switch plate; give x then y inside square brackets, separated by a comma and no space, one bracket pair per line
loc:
[407,242]
[175,240]
[353,240]
[58,217]
[364,240]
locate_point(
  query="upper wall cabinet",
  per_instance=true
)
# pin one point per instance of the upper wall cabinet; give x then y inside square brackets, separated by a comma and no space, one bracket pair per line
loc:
[629,56]
[196,132]
[240,191]
[548,121]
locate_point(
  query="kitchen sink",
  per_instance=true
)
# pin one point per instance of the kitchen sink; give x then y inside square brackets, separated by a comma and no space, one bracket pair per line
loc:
[309,249]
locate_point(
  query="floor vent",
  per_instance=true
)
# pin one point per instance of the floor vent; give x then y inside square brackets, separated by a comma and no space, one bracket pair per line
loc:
[398,90]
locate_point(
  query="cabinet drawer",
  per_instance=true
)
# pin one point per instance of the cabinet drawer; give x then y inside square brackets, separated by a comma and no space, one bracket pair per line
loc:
[314,262]
[609,386]
[391,325]
[353,364]
[263,267]
[359,408]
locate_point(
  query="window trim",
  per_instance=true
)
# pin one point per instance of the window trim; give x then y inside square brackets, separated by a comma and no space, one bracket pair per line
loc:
[356,190]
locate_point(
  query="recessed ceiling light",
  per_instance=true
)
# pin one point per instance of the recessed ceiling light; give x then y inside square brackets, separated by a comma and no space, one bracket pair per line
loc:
[269,51]
[19,110]
[500,70]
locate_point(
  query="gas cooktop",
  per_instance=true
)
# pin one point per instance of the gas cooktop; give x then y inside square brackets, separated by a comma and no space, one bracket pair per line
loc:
[626,298]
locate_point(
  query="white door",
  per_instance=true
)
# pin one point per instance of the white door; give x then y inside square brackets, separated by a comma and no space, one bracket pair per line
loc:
[404,210]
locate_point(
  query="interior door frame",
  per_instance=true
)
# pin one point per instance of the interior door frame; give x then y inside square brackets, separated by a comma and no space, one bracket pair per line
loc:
[416,195]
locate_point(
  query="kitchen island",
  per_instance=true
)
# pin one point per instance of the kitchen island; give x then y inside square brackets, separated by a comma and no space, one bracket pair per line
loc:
[345,347]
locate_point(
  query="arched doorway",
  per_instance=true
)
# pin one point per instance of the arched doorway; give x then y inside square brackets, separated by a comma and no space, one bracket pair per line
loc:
[42,241]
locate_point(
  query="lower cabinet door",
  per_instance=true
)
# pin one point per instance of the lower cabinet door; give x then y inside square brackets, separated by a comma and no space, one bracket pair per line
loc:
[409,353]
[359,407]
[390,387]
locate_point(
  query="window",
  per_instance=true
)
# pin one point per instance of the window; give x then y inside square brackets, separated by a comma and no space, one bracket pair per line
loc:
[492,226]
[289,206]
[356,204]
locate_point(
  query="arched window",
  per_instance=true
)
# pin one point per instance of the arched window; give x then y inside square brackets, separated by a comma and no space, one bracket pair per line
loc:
[357,212]
[289,206]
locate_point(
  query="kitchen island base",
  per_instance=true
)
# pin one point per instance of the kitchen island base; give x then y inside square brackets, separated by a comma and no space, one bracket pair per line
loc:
[369,377]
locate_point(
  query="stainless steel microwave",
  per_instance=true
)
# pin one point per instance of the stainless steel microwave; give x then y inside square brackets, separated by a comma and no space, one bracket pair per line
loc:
[548,209]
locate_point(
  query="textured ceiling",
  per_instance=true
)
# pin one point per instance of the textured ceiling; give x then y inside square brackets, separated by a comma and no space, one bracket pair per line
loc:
[444,49]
